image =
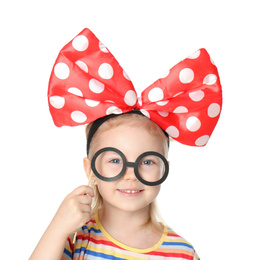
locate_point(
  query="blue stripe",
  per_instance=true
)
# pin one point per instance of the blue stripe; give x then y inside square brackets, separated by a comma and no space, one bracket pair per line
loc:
[66,252]
[86,230]
[177,244]
[79,250]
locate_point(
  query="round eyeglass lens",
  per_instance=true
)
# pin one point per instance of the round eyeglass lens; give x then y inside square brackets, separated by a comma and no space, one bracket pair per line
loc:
[151,168]
[108,164]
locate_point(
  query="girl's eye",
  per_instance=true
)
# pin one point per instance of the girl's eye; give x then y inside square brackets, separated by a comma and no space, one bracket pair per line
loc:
[115,161]
[147,162]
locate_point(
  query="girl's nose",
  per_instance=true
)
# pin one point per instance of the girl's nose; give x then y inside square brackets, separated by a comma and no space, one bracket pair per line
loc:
[130,174]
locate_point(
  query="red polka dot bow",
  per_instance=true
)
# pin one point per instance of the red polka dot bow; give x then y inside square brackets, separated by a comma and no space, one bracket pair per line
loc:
[88,83]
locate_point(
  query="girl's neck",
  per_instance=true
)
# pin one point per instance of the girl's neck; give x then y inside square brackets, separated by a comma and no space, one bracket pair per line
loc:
[124,220]
[133,229]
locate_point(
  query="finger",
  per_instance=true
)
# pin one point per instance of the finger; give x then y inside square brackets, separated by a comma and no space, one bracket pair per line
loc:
[85,208]
[90,193]
[84,189]
[84,199]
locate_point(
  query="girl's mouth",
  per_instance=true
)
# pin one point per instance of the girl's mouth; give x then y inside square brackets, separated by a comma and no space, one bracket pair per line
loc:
[130,192]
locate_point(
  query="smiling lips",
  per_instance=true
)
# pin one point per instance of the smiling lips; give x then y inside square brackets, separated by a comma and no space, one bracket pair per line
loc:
[129,191]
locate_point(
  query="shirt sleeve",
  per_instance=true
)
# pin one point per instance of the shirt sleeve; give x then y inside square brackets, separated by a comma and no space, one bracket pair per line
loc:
[68,250]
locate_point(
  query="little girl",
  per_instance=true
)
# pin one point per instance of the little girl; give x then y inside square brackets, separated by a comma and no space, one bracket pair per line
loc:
[127,150]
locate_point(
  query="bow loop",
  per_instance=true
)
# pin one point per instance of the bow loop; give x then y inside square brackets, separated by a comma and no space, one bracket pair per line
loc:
[88,83]
[187,101]
[83,83]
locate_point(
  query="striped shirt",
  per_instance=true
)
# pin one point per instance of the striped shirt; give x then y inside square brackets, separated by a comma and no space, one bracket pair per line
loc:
[93,242]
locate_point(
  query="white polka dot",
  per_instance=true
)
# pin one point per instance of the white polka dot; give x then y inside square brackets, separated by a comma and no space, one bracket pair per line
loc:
[126,75]
[91,103]
[213,110]
[162,103]
[113,110]
[75,91]
[201,141]
[163,113]
[197,95]
[105,71]
[145,113]
[212,61]
[210,79]
[103,48]
[82,65]
[186,75]
[193,124]
[80,43]
[195,55]
[57,101]
[96,86]
[172,131]
[61,70]
[78,116]
[130,98]
[180,109]
[155,94]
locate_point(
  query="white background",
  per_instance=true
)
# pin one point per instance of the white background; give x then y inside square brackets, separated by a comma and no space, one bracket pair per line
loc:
[217,197]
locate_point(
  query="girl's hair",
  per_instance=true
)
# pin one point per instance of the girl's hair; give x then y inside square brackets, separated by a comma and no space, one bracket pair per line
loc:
[132,120]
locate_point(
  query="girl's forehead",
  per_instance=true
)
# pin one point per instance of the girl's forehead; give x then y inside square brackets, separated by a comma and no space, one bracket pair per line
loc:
[126,137]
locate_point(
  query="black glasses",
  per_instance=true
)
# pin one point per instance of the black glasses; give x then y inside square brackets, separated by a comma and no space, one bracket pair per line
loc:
[109,164]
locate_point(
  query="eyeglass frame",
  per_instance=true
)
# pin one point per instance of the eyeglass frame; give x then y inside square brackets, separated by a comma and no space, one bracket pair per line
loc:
[127,164]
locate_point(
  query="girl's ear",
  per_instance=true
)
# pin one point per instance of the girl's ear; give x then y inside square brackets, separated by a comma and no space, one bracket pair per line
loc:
[87,166]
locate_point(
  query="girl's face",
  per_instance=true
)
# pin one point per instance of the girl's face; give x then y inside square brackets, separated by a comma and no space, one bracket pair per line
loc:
[127,193]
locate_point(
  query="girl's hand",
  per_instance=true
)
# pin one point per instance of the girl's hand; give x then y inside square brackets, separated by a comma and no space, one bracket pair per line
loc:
[74,211]
[72,214]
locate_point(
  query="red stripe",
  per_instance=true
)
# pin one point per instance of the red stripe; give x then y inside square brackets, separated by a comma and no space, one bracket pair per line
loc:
[184,256]
[102,242]
[172,234]
[91,220]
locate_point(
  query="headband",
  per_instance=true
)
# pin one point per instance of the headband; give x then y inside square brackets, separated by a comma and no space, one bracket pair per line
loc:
[88,83]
